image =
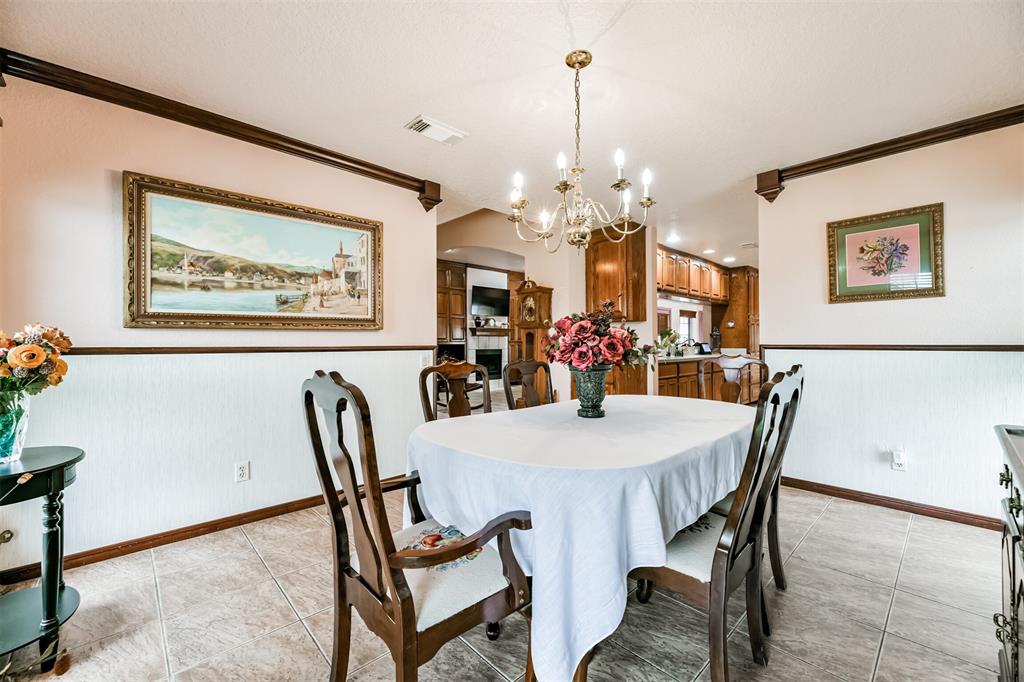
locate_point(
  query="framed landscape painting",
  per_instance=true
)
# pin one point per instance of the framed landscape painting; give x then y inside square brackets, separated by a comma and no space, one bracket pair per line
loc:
[203,257]
[886,256]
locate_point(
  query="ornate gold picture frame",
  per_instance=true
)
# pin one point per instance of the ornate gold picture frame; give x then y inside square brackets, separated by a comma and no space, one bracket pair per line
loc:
[200,257]
[887,256]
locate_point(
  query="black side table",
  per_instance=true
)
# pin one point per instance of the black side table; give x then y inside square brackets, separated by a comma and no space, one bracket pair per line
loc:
[37,613]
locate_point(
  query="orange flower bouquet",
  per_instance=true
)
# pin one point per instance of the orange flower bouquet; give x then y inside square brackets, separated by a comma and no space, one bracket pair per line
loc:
[30,361]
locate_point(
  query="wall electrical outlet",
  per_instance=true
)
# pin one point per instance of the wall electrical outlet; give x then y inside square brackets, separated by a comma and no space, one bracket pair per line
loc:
[241,472]
[899,460]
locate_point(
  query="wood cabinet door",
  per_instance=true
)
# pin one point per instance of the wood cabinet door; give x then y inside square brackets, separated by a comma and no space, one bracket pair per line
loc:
[442,303]
[442,276]
[457,328]
[753,294]
[606,275]
[693,286]
[669,387]
[716,282]
[682,275]
[457,278]
[659,269]
[457,303]
[442,328]
[688,387]
[725,285]
[705,281]
[668,272]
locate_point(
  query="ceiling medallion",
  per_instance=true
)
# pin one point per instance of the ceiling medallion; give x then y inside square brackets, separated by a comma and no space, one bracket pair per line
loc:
[580,215]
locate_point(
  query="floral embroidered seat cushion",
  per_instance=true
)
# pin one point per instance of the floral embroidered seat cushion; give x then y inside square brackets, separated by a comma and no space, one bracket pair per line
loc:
[692,550]
[442,591]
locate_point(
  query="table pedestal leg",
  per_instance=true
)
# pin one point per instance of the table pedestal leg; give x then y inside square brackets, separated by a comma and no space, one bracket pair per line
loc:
[52,576]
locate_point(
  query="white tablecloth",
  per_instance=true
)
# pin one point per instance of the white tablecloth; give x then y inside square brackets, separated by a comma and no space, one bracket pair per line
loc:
[605,496]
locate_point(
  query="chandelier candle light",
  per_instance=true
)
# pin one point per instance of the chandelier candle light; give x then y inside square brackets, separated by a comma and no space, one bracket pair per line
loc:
[580,215]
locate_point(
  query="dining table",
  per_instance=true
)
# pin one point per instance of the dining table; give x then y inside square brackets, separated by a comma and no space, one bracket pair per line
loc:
[605,496]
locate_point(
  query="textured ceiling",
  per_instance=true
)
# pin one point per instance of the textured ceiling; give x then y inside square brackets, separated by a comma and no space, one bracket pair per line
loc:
[706,95]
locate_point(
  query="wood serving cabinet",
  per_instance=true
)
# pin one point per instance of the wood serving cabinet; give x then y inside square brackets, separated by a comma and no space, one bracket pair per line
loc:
[1008,620]
[617,271]
[451,302]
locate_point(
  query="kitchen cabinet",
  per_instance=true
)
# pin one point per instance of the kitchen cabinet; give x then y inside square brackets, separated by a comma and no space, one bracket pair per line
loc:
[695,276]
[680,273]
[451,302]
[622,381]
[716,283]
[680,379]
[618,272]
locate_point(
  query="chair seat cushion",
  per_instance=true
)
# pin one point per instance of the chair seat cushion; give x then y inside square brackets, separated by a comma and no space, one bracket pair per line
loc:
[724,505]
[692,550]
[442,591]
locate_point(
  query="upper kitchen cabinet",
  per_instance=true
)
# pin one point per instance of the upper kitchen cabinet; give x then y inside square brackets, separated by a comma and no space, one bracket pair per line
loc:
[618,272]
[680,273]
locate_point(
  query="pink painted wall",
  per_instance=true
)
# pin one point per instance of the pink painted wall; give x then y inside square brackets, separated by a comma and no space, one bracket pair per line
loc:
[61,217]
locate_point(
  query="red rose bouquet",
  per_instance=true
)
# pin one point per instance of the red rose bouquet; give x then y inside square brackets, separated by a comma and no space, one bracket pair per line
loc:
[582,340]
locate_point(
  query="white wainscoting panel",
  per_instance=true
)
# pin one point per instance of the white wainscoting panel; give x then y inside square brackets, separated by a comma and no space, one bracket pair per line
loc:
[938,406]
[162,434]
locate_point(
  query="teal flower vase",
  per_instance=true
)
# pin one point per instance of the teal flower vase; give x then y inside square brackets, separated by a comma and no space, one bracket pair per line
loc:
[13,424]
[590,390]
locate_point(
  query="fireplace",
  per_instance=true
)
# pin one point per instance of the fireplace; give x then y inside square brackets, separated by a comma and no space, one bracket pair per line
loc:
[491,359]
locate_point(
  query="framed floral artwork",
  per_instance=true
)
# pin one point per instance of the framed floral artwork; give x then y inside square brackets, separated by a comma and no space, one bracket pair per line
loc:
[886,256]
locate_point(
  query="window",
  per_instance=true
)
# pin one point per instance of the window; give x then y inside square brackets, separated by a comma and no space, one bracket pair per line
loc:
[688,328]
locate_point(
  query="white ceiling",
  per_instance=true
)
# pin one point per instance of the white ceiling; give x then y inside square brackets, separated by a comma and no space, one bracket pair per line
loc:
[705,94]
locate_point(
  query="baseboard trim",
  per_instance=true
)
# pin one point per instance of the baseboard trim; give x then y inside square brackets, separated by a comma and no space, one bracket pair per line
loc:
[895,503]
[31,571]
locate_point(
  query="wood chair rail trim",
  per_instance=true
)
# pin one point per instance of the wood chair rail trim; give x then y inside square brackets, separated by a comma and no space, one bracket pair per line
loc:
[983,348]
[771,183]
[204,350]
[46,73]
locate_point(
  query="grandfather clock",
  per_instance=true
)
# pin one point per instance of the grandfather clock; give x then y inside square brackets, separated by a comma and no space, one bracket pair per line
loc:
[531,319]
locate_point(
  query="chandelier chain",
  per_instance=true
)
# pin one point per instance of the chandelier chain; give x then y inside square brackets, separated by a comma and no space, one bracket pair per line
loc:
[577,88]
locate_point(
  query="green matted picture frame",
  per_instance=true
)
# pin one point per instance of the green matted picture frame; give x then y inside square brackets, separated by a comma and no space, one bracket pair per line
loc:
[887,256]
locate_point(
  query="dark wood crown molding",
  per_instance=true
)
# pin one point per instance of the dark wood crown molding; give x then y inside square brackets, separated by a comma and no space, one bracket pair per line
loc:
[39,71]
[771,183]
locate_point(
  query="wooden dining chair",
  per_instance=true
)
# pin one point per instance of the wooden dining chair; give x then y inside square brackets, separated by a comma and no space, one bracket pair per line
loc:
[456,376]
[708,560]
[533,390]
[732,366]
[420,587]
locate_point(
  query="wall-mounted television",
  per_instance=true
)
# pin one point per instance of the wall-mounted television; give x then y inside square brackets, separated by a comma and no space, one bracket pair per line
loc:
[489,301]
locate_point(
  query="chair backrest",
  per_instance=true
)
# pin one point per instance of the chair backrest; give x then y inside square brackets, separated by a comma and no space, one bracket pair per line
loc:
[731,366]
[776,412]
[330,396]
[455,375]
[526,373]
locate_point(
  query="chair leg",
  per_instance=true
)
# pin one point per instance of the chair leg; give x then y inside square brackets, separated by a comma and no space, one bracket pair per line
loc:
[406,669]
[718,634]
[644,589]
[493,631]
[342,636]
[581,670]
[774,551]
[766,624]
[530,676]
[755,616]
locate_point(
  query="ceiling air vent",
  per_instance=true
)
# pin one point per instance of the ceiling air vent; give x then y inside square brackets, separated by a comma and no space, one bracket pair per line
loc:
[748,245]
[435,130]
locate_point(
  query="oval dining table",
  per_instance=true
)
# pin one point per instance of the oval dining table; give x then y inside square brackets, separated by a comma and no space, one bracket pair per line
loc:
[605,496]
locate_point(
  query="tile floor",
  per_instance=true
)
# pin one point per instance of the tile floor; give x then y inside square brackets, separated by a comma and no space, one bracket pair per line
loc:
[874,594]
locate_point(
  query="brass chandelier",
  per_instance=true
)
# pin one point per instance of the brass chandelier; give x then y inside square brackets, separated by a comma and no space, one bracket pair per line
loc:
[580,215]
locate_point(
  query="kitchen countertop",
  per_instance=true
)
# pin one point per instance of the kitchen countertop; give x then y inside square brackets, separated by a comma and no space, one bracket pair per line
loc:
[688,358]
